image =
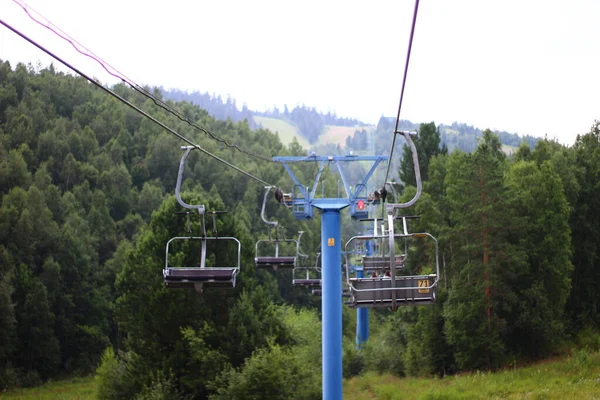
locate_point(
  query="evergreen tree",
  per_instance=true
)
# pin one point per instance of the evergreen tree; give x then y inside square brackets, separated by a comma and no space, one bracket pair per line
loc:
[427,144]
[485,263]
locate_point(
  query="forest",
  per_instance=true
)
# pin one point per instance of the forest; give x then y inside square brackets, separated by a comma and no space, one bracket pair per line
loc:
[87,205]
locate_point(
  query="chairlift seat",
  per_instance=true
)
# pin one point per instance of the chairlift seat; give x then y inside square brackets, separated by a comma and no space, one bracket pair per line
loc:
[378,263]
[378,292]
[306,276]
[275,262]
[189,277]
[306,282]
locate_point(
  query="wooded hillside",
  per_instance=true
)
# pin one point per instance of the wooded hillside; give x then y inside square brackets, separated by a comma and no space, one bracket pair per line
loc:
[87,205]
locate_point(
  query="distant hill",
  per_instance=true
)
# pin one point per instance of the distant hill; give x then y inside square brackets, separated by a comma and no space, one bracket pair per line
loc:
[455,136]
[213,104]
[314,129]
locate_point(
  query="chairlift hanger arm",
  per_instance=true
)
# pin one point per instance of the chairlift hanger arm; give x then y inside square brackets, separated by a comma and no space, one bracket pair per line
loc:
[413,149]
[200,208]
[264,205]
[344,182]
[300,254]
[322,166]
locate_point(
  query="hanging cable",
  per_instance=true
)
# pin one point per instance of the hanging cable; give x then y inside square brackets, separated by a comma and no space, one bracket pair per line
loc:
[138,88]
[139,110]
[412,33]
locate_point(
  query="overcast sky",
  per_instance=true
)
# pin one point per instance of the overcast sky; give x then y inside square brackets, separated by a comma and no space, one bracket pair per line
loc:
[529,67]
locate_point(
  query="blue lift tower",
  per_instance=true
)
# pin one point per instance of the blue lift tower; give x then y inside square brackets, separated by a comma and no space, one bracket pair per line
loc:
[302,201]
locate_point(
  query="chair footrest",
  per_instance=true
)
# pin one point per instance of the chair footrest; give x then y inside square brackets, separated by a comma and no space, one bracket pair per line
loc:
[192,274]
[306,282]
[283,262]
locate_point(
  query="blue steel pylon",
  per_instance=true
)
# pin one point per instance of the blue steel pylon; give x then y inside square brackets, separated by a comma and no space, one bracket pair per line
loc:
[303,201]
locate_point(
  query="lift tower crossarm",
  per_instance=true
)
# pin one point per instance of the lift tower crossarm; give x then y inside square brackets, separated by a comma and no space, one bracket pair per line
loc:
[322,160]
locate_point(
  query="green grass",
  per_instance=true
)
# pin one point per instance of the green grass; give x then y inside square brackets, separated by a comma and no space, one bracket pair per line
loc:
[74,389]
[575,377]
[286,131]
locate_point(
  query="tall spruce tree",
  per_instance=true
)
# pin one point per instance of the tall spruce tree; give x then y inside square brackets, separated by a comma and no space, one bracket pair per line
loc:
[481,294]
[541,229]
[584,301]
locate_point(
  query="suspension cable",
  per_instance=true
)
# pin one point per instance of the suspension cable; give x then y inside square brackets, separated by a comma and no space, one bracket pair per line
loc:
[412,33]
[139,110]
[138,88]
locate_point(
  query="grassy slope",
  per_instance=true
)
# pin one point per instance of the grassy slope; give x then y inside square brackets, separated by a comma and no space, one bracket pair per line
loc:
[75,389]
[575,377]
[286,131]
[337,134]
[333,134]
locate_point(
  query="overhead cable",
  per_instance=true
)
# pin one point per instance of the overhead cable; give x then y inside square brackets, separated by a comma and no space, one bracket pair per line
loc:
[138,88]
[412,33]
[139,110]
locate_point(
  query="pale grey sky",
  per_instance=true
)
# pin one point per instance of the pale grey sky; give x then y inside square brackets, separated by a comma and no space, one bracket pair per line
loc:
[524,66]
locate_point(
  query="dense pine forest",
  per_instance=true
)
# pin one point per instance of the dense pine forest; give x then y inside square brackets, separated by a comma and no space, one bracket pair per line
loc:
[87,205]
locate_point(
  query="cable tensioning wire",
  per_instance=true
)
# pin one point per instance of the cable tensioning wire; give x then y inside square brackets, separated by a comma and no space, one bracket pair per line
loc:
[139,110]
[140,89]
[119,75]
[412,33]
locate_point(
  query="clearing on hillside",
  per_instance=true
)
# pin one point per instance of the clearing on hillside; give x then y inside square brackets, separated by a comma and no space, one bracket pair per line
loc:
[338,134]
[287,132]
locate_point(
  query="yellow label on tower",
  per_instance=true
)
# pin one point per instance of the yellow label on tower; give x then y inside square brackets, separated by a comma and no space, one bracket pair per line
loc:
[330,242]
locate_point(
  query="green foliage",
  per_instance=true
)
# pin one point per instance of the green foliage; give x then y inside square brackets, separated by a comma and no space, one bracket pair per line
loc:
[352,357]
[383,353]
[273,373]
[588,339]
[86,208]
[161,387]
[279,371]
[118,378]
[428,351]
[428,145]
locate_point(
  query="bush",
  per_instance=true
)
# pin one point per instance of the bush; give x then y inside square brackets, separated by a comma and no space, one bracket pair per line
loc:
[273,374]
[119,378]
[353,359]
[588,339]
[9,378]
[383,352]
[161,387]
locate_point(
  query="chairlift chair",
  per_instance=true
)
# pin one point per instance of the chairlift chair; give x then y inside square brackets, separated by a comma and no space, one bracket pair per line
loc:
[200,276]
[394,290]
[305,275]
[275,260]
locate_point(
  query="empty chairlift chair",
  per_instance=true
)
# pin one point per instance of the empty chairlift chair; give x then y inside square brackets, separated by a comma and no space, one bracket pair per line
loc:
[304,274]
[268,251]
[202,274]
